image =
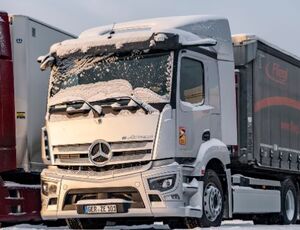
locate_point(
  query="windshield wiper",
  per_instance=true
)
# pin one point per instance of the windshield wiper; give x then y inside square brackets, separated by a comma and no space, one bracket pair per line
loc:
[145,106]
[97,110]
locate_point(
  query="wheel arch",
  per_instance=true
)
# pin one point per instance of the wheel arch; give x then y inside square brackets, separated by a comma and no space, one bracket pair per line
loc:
[215,155]
[213,150]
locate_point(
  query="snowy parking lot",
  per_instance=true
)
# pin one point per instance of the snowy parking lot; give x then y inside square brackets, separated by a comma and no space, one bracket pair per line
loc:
[228,225]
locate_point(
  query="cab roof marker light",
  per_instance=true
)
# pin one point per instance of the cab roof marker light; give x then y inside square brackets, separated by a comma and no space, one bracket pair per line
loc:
[240,38]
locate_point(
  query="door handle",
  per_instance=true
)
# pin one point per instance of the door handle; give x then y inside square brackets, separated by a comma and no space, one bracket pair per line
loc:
[206,135]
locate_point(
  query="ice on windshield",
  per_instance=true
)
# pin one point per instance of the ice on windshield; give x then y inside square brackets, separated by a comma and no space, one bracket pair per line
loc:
[147,77]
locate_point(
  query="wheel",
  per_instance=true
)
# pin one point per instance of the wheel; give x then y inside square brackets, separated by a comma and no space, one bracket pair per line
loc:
[260,219]
[288,214]
[288,202]
[266,219]
[213,205]
[176,223]
[213,200]
[75,223]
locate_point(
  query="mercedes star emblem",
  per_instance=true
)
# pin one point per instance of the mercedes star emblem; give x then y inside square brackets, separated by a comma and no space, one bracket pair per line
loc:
[100,153]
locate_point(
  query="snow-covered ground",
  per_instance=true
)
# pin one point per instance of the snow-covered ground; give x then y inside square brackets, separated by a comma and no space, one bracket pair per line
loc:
[227,225]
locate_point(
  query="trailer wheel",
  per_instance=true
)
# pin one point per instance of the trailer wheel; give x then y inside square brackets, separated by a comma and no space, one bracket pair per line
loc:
[288,202]
[266,219]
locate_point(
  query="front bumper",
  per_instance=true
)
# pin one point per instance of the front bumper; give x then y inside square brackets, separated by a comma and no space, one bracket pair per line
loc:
[171,203]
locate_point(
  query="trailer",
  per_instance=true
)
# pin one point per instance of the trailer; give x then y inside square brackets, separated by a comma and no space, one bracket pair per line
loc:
[23,95]
[268,105]
[170,119]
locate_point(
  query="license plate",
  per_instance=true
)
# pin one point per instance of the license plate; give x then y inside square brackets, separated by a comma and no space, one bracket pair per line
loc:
[107,208]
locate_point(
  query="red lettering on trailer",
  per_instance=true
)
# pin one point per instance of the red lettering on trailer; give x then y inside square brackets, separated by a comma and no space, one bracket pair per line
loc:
[276,101]
[276,73]
[291,127]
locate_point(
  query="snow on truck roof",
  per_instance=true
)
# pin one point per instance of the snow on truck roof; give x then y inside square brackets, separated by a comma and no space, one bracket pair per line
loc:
[188,28]
[155,24]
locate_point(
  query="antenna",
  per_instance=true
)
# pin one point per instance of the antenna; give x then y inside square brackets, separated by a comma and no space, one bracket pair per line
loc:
[111,32]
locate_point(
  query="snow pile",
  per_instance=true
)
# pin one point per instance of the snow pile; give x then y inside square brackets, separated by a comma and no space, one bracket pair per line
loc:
[148,95]
[33,227]
[103,90]
[93,91]
[226,225]
[83,45]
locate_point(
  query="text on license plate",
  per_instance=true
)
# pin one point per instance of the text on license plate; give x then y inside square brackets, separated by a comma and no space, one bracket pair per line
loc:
[107,208]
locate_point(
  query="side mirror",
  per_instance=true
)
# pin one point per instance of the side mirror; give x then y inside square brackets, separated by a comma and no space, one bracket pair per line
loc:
[46,61]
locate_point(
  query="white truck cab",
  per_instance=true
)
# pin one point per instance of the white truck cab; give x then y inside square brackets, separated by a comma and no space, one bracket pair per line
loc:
[141,125]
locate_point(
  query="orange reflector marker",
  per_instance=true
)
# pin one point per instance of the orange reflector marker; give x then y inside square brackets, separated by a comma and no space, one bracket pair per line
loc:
[182,136]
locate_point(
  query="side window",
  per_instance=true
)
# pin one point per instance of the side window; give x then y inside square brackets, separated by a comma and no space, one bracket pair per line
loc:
[191,81]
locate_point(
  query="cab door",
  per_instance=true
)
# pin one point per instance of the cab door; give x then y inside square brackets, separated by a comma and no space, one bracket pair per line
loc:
[194,110]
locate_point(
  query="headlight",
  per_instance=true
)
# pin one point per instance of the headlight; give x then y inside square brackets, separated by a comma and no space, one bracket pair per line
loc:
[48,188]
[163,183]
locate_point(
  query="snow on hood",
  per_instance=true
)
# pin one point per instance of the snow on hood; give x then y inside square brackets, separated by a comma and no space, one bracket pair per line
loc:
[103,90]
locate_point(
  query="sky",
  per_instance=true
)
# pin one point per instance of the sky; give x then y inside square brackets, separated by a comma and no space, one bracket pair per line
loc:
[277,21]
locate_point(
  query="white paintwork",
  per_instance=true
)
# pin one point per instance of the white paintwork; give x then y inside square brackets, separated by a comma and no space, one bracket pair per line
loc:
[250,200]
[137,180]
[30,85]
[227,102]
[165,143]
[212,149]
[196,200]
[111,129]
[195,118]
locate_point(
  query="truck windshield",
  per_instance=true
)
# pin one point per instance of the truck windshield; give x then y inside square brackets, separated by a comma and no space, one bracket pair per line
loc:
[94,78]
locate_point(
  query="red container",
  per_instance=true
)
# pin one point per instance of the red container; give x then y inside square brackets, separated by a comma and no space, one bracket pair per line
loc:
[5,45]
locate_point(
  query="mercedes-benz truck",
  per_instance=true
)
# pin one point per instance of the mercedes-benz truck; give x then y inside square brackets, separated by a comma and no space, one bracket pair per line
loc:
[174,120]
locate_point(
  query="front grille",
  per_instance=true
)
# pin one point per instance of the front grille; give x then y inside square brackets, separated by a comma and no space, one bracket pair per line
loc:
[126,193]
[123,153]
[117,168]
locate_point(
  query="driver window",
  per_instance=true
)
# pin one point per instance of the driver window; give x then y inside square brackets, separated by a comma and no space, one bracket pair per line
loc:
[191,81]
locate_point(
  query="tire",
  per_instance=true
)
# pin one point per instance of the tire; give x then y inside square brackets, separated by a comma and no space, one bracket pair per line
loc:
[266,219]
[213,198]
[74,224]
[177,223]
[289,207]
[213,205]
[261,220]
[85,223]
